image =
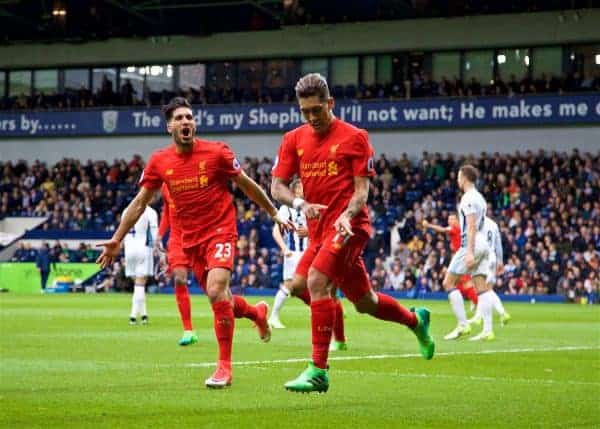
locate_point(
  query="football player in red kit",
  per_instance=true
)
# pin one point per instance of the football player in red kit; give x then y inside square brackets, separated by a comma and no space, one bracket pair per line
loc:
[197,173]
[334,161]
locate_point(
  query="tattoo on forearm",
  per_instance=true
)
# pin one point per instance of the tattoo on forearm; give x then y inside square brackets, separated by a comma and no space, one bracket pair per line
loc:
[282,192]
[357,202]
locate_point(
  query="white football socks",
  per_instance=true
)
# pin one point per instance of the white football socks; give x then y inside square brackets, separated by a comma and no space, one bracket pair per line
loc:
[498,303]
[458,306]
[138,301]
[280,297]
[486,304]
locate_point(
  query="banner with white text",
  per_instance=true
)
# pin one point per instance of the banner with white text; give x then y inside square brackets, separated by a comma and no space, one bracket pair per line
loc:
[435,113]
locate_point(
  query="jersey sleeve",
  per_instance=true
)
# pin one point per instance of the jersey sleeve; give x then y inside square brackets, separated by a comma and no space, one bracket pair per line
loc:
[283,213]
[469,205]
[151,178]
[230,166]
[165,221]
[362,156]
[165,224]
[286,163]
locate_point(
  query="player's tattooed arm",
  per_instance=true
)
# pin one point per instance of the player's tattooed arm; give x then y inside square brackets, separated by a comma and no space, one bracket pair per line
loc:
[282,192]
[355,205]
[359,199]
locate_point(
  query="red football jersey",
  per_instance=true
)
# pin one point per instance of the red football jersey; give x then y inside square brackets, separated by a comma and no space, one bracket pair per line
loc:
[454,235]
[327,166]
[167,220]
[198,183]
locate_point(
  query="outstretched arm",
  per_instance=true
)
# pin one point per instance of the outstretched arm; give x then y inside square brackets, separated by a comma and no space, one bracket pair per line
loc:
[258,195]
[133,212]
[255,193]
[436,228]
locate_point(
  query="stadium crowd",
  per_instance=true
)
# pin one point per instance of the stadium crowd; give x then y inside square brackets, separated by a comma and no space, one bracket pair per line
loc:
[547,206]
[419,85]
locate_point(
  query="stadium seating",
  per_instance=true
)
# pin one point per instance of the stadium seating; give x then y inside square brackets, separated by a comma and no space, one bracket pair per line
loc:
[420,86]
[527,199]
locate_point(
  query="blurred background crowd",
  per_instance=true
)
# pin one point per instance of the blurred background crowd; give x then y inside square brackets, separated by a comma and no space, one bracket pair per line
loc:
[547,206]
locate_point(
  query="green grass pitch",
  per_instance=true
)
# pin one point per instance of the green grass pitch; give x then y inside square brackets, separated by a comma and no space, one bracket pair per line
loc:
[72,361]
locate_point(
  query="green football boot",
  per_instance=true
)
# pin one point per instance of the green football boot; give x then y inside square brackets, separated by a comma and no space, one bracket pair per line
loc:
[426,343]
[188,338]
[504,319]
[312,379]
[338,346]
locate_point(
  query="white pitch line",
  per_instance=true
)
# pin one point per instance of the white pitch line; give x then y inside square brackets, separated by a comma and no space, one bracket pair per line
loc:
[403,356]
[470,377]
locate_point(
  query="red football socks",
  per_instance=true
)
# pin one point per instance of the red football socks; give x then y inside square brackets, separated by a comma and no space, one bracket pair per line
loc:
[338,326]
[224,325]
[322,321]
[241,309]
[305,296]
[182,295]
[389,309]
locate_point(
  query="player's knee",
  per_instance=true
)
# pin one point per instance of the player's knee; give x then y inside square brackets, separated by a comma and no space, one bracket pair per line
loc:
[216,291]
[317,283]
[180,277]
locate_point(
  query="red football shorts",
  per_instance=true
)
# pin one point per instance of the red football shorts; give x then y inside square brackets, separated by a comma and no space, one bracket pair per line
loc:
[339,259]
[216,252]
[176,257]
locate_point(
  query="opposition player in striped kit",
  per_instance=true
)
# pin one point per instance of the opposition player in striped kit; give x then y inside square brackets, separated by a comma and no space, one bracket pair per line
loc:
[292,247]
[139,245]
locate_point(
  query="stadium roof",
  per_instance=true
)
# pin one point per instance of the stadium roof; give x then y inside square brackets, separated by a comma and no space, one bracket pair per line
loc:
[64,20]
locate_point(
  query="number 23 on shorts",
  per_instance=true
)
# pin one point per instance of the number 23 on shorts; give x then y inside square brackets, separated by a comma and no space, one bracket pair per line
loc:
[223,252]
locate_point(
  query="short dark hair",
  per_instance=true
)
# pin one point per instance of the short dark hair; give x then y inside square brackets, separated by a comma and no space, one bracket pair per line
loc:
[174,104]
[471,173]
[312,84]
